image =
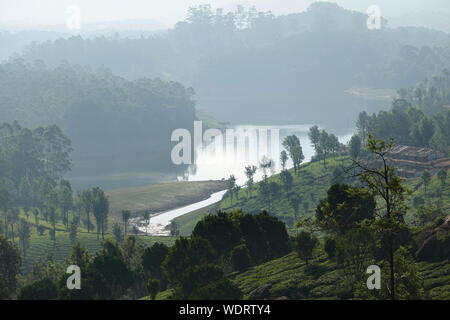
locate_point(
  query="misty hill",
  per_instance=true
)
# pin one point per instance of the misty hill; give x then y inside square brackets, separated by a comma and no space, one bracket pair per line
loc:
[14,42]
[248,62]
[105,116]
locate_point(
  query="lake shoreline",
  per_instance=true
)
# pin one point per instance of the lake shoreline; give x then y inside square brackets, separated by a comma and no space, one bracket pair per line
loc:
[160,227]
[160,198]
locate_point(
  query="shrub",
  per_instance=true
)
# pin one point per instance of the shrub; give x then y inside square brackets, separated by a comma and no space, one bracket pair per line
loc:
[43,289]
[330,247]
[304,245]
[153,287]
[240,257]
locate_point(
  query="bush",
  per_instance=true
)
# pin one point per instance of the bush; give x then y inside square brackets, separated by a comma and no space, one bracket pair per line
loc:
[304,245]
[43,289]
[153,287]
[240,257]
[330,247]
[222,289]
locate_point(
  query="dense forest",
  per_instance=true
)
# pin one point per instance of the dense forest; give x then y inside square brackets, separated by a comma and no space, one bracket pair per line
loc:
[421,117]
[102,114]
[252,57]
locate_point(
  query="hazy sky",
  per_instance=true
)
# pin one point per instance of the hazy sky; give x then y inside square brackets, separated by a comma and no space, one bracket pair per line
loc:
[53,12]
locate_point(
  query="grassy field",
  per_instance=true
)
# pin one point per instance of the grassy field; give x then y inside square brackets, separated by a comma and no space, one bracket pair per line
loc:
[160,197]
[41,246]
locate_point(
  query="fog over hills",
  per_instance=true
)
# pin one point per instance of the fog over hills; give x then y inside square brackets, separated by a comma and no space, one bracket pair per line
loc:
[47,12]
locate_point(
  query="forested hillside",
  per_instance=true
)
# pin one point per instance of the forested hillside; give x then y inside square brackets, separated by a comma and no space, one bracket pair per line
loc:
[102,114]
[258,60]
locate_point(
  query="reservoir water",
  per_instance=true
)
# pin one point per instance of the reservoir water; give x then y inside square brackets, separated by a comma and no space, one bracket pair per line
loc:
[211,164]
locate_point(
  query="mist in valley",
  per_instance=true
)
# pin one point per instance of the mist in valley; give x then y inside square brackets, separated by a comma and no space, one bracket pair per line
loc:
[182,146]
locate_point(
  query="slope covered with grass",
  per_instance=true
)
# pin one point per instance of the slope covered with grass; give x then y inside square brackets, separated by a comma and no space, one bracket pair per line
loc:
[291,277]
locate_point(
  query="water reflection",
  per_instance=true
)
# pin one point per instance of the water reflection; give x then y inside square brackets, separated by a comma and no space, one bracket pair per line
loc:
[216,161]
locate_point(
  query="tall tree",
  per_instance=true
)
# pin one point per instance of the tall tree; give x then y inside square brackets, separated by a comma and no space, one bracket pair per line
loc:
[4,202]
[355,147]
[10,262]
[324,145]
[126,214]
[283,159]
[304,245]
[86,198]
[249,173]
[287,180]
[13,219]
[384,184]
[24,236]
[344,208]
[362,125]
[65,200]
[100,206]
[314,134]
[292,145]
[73,231]
[231,183]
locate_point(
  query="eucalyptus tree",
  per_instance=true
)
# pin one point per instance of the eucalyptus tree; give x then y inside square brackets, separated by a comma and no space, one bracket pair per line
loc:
[126,214]
[65,200]
[231,184]
[249,173]
[5,198]
[13,219]
[355,146]
[264,165]
[283,159]
[24,236]
[314,134]
[86,199]
[10,263]
[287,180]
[292,145]
[100,207]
